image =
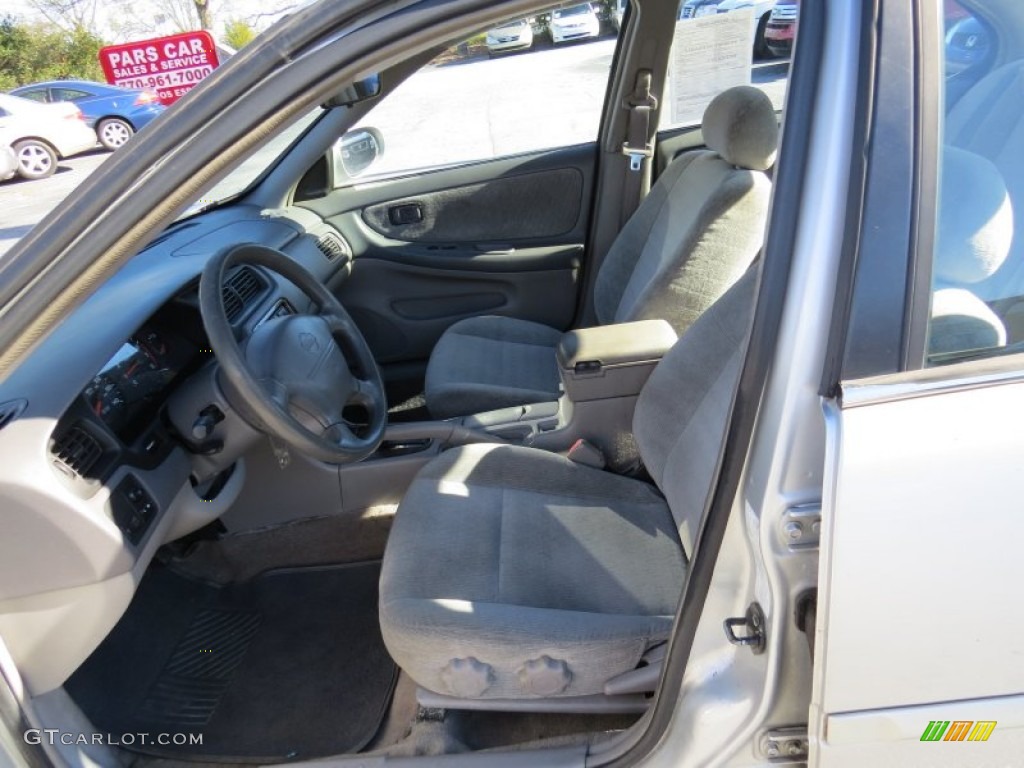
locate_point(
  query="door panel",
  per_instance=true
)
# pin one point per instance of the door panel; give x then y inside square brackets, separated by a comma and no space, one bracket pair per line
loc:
[500,237]
[402,309]
[541,204]
[920,570]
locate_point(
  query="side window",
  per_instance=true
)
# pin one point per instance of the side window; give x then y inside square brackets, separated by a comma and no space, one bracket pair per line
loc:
[977,300]
[37,95]
[718,45]
[526,85]
[68,94]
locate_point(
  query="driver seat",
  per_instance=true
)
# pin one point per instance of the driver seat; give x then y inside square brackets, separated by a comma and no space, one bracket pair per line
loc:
[691,238]
[512,573]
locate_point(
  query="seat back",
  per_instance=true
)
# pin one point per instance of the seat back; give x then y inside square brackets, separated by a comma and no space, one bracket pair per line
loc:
[975,230]
[682,413]
[989,121]
[702,224]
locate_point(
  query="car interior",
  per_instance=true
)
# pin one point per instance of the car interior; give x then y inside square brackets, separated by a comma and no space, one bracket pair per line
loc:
[411,465]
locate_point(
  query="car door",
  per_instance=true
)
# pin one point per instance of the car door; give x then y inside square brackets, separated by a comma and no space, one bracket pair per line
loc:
[918,642]
[480,202]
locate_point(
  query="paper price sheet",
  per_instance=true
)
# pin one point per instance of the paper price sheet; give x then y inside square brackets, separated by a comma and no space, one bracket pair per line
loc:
[709,55]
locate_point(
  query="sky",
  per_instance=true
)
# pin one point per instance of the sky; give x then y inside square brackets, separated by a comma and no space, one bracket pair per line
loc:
[112,16]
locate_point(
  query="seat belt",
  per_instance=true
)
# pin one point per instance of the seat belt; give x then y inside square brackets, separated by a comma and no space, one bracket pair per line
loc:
[637,147]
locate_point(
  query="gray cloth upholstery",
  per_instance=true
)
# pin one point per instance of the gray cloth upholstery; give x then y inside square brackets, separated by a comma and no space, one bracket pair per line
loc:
[975,231]
[740,125]
[989,121]
[484,363]
[514,573]
[961,322]
[506,555]
[681,415]
[545,204]
[696,232]
[975,225]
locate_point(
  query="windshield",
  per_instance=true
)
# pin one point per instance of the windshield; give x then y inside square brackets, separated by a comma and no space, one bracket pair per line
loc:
[576,10]
[254,166]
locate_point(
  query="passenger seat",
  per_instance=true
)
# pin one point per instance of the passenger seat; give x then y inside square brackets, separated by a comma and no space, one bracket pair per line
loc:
[692,237]
[974,234]
[988,120]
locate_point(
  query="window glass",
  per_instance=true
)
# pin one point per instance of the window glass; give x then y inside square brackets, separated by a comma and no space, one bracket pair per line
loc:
[526,85]
[39,95]
[69,94]
[718,45]
[977,301]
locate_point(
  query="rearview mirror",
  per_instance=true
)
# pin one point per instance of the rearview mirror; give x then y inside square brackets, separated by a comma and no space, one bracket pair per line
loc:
[361,90]
[359,150]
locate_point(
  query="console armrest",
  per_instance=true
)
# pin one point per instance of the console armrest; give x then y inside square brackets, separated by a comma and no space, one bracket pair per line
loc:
[612,360]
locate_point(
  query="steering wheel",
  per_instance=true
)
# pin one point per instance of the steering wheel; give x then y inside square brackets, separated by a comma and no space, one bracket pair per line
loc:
[297,373]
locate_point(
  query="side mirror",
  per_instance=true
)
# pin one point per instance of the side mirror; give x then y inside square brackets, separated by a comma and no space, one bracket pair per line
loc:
[359,150]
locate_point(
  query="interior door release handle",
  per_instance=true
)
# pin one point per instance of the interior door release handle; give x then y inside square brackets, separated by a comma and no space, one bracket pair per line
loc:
[406,213]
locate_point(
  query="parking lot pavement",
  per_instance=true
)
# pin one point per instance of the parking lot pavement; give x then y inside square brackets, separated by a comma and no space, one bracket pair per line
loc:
[469,110]
[24,203]
[484,108]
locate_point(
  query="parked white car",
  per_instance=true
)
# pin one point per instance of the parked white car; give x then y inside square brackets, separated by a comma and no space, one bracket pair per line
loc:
[576,22]
[8,160]
[43,133]
[515,36]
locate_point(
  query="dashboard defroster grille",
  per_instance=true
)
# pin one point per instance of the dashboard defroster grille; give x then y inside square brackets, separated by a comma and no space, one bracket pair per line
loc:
[78,451]
[241,288]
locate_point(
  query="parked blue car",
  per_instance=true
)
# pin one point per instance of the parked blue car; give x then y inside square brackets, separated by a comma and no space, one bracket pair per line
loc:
[115,113]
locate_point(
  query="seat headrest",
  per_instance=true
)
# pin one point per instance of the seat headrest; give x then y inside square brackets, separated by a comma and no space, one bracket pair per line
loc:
[975,227]
[740,125]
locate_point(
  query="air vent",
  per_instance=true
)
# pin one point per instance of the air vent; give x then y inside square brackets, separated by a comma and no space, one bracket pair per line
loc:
[10,410]
[242,287]
[332,246]
[77,451]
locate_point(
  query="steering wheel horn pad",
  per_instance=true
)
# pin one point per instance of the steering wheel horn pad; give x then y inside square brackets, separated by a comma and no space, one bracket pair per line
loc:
[295,375]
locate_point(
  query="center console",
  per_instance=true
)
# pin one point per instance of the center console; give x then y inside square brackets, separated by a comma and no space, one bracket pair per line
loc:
[603,370]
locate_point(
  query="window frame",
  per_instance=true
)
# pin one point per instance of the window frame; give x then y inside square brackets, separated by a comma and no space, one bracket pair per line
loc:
[885,275]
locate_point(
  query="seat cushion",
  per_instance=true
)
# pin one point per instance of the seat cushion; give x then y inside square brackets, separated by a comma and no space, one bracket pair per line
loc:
[485,363]
[512,572]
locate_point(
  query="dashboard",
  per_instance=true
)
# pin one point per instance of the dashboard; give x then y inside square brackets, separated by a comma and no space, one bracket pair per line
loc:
[94,477]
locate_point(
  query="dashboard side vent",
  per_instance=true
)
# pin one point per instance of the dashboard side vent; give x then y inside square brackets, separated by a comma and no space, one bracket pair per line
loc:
[332,246]
[241,288]
[10,410]
[77,451]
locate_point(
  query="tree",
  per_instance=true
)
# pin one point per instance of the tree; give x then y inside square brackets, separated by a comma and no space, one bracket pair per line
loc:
[33,52]
[238,32]
[69,15]
[203,13]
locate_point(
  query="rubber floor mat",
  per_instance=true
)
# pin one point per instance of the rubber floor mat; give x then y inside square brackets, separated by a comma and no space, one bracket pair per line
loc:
[287,666]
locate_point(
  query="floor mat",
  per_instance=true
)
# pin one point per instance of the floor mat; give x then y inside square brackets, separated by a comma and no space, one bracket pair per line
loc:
[289,665]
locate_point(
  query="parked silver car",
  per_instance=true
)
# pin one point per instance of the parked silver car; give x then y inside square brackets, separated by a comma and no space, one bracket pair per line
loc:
[516,35]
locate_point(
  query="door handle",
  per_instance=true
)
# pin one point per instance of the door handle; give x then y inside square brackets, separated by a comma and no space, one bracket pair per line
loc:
[406,213]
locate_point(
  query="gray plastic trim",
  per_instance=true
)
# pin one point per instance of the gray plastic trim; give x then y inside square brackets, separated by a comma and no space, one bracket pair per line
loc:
[593,705]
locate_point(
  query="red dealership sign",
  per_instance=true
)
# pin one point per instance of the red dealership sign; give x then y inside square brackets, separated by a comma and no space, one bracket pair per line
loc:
[171,65]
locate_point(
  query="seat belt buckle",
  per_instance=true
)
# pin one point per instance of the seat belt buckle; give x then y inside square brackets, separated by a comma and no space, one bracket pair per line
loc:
[636,155]
[586,454]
